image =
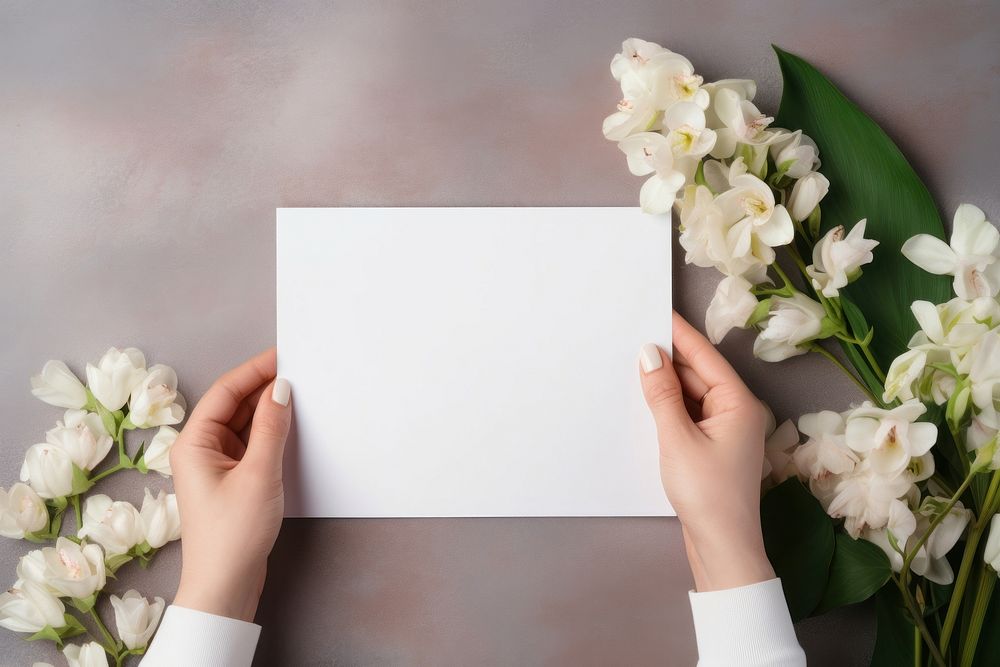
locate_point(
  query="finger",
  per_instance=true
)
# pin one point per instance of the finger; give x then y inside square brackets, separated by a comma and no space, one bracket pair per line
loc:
[223,398]
[662,389]
[701,356]
[241,418]
[269,428]
[694,387]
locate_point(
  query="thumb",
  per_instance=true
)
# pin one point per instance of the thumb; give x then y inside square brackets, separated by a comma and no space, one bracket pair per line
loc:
[269,429]
[662,389]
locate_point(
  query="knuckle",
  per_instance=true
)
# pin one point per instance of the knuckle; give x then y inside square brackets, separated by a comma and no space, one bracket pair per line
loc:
[663,394]
[272,427]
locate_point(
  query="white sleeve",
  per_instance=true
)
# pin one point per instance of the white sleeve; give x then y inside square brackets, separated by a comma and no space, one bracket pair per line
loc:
[198,639]
[745,626]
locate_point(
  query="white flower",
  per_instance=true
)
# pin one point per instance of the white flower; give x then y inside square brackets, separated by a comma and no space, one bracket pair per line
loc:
[157,454]
[825,452]
[837,259]
[28,607]
[731,306]
[21,511]
[795,154]
[890,438]
[155,401]
[82,435]
[931,561]
[806,195]
[791,323]
[892,539]
[992,552]
[984,374]
[904,372]
[953,327]
[637,55]
[741,122]
[755,218]
[971,257]
[115,525]
[136,618]
[74,570]
[31,567]
[646,153]
[88,655]
[161,522]
[57,385]
[778,447]
[863,498]
[705,236]
[745,89]
[49,470]
[114,376]
[686,134]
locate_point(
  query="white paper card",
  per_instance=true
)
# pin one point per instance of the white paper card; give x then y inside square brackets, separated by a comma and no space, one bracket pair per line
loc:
[471,361]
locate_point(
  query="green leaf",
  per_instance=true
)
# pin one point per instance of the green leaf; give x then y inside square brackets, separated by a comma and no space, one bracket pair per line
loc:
[858,570]
[798,537]
[107,418]
[49,633]
[72,628]
[988,650]
[894,632]
[113,563]
[81,482]
[869,178]
[860,330]
[84,604]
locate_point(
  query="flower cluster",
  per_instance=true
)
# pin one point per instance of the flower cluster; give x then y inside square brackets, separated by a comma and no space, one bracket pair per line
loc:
[121,394]
[742,189]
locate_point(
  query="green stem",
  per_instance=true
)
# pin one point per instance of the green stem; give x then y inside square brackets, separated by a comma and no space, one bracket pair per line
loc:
[904,572]
[784,277]
[75,501]
[918,622]
[110,471]
[987,581]
[962,580]
[918,645]
[836,362]
[112,645]
[871,360]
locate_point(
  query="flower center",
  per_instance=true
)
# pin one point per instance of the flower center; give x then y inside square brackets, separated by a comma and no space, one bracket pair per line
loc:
[625,105]
[684,138]
[638,59]
[687,85]
[72,567]
[754,207]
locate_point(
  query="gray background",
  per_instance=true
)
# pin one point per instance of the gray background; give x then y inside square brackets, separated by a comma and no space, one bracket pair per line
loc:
[144,147]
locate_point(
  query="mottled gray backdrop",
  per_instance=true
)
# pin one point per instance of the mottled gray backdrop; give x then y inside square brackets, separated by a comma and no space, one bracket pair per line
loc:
[145,145]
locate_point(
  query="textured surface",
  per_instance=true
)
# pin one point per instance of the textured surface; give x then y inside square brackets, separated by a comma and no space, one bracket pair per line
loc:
[146,145]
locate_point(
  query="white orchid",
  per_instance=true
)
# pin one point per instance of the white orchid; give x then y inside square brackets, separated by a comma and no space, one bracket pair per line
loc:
[22,511]
[115,525]
[705,235]
[91,654]
[863,498]
[741,122]
[754,217]
[806,195]
[687,136]
[650,153]
[31,567]
[905,371]
[931,559]
[112,379]
[991,554]
[731,306]
[637,55]
[893,537]
[136,618]
[58,386]
[157,454]
[161,523]
[82,435]
[792,322]
[155,401]
[825,452]
[971,257]
[29,607]
[795,155]
[74,570]
[889,439]
[778,447]
[49,470]
[955,326]
[837,259]
[983,362]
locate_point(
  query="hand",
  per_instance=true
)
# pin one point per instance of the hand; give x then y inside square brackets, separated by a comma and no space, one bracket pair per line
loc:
[711,434]
[227,475]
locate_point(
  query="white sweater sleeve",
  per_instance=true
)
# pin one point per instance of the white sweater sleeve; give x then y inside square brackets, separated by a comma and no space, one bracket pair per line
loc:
[198,639]
[745,626]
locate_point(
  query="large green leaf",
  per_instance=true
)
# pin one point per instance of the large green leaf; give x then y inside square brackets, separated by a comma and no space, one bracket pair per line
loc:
[798,537]
[858,570]
[869,178]
[894,633]
[988,650]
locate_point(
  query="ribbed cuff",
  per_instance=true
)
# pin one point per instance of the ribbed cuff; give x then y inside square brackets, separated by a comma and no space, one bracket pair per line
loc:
[745,626]
[198,639]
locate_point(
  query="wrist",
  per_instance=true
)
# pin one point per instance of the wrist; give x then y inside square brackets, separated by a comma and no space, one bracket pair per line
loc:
[720,560]
[236,598]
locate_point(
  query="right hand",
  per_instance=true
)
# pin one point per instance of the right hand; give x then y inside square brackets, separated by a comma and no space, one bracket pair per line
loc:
[711,435]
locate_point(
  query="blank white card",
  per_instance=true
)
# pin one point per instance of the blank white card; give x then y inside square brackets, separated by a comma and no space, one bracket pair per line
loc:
[471,362]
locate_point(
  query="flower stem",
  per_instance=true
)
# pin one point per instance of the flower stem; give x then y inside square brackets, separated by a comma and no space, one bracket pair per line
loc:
[904,572]
[987,581]
[110,471]
[836,362]
[112,645]
[75,501]
[789,287]
[918,621]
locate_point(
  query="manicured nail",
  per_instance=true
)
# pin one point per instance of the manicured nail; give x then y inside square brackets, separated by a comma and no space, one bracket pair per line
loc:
[282,391]
[649,358]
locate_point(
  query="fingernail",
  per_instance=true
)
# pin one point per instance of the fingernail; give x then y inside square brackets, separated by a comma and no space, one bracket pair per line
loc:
[649,358]
[282,391]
